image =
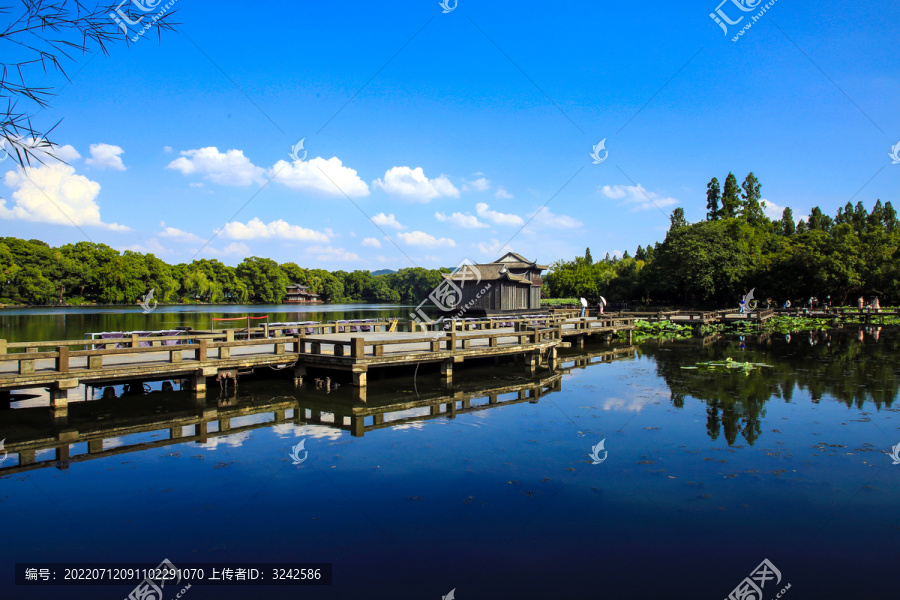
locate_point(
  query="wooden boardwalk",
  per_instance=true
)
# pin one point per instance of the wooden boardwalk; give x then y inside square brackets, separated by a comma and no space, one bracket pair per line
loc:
[39,442]
[195,357]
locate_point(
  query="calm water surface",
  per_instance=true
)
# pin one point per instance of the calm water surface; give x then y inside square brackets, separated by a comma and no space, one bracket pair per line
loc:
[707,474]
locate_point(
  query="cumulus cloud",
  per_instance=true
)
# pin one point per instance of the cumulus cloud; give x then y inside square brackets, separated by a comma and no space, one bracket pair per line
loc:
[317,175]
[371,243]
[546,219]
[636,195]
[495,217]
[226,168]
[178,235]
[494,249]
[772,210]
[320,175]
[167,149]
[412,184]
[387,221]
[40,152]
[280,229]
[232,249]
[479,185]
[420,238]
[54,194]
[106,156]
[460,220]
[502,194]
[331,253]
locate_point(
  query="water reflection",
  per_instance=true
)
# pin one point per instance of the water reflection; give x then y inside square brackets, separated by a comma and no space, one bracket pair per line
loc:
[851,367]
[38,437]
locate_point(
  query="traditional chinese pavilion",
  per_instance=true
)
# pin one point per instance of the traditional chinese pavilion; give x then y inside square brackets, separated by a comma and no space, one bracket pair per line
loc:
[515,286]
[300,294]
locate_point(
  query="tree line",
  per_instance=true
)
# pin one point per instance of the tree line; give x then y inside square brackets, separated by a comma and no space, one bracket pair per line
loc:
[33,272]
[738,248]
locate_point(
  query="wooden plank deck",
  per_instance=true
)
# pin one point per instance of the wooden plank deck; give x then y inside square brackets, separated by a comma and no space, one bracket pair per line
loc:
[197,356]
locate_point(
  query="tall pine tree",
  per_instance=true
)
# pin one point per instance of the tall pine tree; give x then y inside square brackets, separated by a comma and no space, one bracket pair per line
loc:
[713,195]
[731,200]
[751,209]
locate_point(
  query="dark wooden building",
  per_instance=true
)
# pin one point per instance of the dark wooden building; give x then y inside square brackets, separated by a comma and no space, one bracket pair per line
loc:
[300,294]
[515,286]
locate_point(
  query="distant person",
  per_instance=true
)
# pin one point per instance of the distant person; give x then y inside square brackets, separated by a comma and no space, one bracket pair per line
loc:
[876,304]
[743,305]
[860,303]
[787,304]
[768,303]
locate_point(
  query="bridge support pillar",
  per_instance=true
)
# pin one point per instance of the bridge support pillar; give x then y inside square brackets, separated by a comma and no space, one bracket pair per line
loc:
[532,361]
[359,376]
[630,335]
[197,383]
[579,340]
[26,457]
[299,374]
[357,426]
[447,369]
[551,358]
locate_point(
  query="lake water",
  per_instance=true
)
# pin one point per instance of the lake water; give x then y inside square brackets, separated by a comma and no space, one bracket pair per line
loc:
[704,473]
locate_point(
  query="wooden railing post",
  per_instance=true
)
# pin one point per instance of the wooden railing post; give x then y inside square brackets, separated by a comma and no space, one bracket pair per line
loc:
[134,340]
[451,341]
[2,346]
[357,347]
[62,359]
[201,349]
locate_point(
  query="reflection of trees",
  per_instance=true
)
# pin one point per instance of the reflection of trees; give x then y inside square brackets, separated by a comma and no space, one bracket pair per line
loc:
[837,365]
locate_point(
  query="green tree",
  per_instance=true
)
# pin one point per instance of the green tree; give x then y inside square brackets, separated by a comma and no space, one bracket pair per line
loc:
[731,201]
[751,209]
[713,196]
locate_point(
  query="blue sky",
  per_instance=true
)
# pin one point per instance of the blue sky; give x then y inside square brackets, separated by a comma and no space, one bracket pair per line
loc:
[431,137]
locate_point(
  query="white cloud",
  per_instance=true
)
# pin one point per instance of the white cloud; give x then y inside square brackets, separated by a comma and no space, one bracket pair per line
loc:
[494,249]
[420,238]
[772,210]
[106,156]
[54,194]
[226,168]
[280,229]
[460,220]
[331,253]
[371,243]
[412,184]
[167,149]
[39,152]
[495,217]
[152,246]
[320,175]
[232,249]
[387,221]
[178,235]
[479,185]
[637,195]
[502,194]
[546,219]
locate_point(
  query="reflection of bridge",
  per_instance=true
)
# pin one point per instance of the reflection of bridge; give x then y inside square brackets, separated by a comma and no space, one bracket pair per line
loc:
[100,428]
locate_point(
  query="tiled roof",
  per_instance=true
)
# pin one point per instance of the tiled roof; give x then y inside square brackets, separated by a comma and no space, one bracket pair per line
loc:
[489,272]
